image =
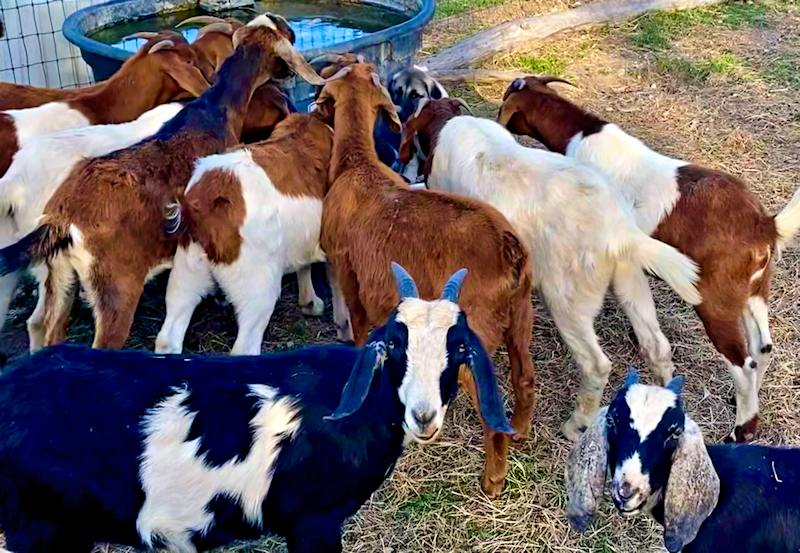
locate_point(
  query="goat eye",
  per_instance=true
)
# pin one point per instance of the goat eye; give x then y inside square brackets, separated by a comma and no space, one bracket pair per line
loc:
[391,344]
[462,348]
[677,432]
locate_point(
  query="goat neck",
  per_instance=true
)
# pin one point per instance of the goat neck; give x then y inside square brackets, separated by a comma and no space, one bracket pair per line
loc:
[353,143]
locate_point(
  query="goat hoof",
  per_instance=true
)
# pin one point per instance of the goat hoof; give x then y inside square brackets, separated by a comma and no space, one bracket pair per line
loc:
[572,431]
[314,308]
[492,488]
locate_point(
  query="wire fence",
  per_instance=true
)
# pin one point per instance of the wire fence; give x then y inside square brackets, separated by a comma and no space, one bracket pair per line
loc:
[34,51]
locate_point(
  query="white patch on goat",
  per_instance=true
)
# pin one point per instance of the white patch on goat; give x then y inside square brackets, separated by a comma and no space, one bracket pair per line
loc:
[426,357]
[45,119]
[631,473]
[179,484]
[745,380]
[647,179]
[80,258]
[647,405]
[263,20]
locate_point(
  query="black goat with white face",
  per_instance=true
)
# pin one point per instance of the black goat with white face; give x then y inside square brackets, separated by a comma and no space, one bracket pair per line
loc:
[741,498]
[194,452]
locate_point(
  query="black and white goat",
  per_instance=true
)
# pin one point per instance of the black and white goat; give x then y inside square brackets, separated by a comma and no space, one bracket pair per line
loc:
[741,498]
[193,452]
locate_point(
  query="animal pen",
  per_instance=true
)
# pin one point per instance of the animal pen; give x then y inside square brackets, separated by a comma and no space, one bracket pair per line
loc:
[33,49]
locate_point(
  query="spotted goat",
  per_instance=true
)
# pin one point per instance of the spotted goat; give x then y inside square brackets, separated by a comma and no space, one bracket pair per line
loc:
[191,452]
[709,499]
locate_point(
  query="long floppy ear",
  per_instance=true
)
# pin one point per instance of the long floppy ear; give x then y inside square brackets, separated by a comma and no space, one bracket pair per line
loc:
[490,402]
[507,111]
[692,489]
[585,473]
[410,130]
[189,77]
[369,362]
[387,105]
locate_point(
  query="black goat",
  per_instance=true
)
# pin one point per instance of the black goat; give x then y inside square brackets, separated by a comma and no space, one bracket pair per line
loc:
[742,498]
[193,452]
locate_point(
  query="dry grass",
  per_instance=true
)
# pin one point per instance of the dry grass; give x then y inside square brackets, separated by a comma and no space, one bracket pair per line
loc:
[743,118]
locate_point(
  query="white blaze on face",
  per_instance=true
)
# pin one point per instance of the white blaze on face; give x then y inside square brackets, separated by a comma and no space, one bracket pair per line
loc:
[647,406]
[630,486]
[426,358]
[179,484]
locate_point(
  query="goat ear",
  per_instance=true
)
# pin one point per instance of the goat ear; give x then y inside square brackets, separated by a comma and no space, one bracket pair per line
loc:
[490,403]
[393,119]
[507,111]
[692,489]
[585,473]
[410,130]
[370,361]
[189,77]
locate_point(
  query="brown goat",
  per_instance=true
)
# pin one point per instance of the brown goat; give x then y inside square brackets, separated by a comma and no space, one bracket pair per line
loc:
[425,126]
[285,180]
[372,218]
[105,221]
[269,104]
[708,215]
[161,70]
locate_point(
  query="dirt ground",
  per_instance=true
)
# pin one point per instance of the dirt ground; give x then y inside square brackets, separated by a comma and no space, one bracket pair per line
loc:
[720,87]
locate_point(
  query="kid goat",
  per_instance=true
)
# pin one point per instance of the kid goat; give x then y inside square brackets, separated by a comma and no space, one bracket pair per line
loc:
[161,70]
[371,217]
[105,221]
[580,235]
[194,452]
[29,183]
[730,497]
[708,215]
[249,216]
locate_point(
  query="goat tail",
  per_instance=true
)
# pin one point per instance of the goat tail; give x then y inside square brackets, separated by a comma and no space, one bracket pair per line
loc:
[667,263]
[176,221]
[44,242]
[787,222]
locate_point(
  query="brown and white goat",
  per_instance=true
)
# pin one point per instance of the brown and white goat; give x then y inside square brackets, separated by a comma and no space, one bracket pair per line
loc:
[708,215]
[269,104]
[161,70]
[105,222]
[372,218]
[248,217]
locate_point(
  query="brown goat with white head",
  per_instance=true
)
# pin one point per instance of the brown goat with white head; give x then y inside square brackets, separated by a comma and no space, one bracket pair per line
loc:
[105,221]
[710,216]
[371,218]
[162,69]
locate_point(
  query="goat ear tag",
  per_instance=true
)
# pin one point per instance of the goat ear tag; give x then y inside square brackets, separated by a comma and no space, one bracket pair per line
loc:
[692,489]
[518,84]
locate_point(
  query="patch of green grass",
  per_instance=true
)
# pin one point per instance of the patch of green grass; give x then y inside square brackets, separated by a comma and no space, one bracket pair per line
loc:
[547,65]
[682,68]
[437,498]
[656,30]
[784,71]
[447,8]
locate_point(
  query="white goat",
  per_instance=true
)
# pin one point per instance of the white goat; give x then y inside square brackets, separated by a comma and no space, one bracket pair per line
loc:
[248,217]
[581,237]
[38,169]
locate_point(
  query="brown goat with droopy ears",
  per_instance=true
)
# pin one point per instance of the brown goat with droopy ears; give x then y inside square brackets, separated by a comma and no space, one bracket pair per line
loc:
[159,71]
[269,104]
[105,221]
[708,215]
[372,218]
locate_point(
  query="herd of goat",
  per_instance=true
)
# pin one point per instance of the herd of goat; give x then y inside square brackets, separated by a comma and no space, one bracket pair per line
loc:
[105,186]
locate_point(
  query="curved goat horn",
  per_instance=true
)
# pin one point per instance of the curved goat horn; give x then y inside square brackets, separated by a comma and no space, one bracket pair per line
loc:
[326,58]
[421,105]
[145,35]
[550,79]
[201,20]
[406,287]
[452,288]
[161,45]
[463,104]
[224,27]
[339,74]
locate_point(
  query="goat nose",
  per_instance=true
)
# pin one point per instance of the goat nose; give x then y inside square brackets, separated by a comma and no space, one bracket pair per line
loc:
[625,491]
[423,417]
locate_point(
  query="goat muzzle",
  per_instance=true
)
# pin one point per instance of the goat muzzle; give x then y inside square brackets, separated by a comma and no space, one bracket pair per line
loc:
[296,61]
